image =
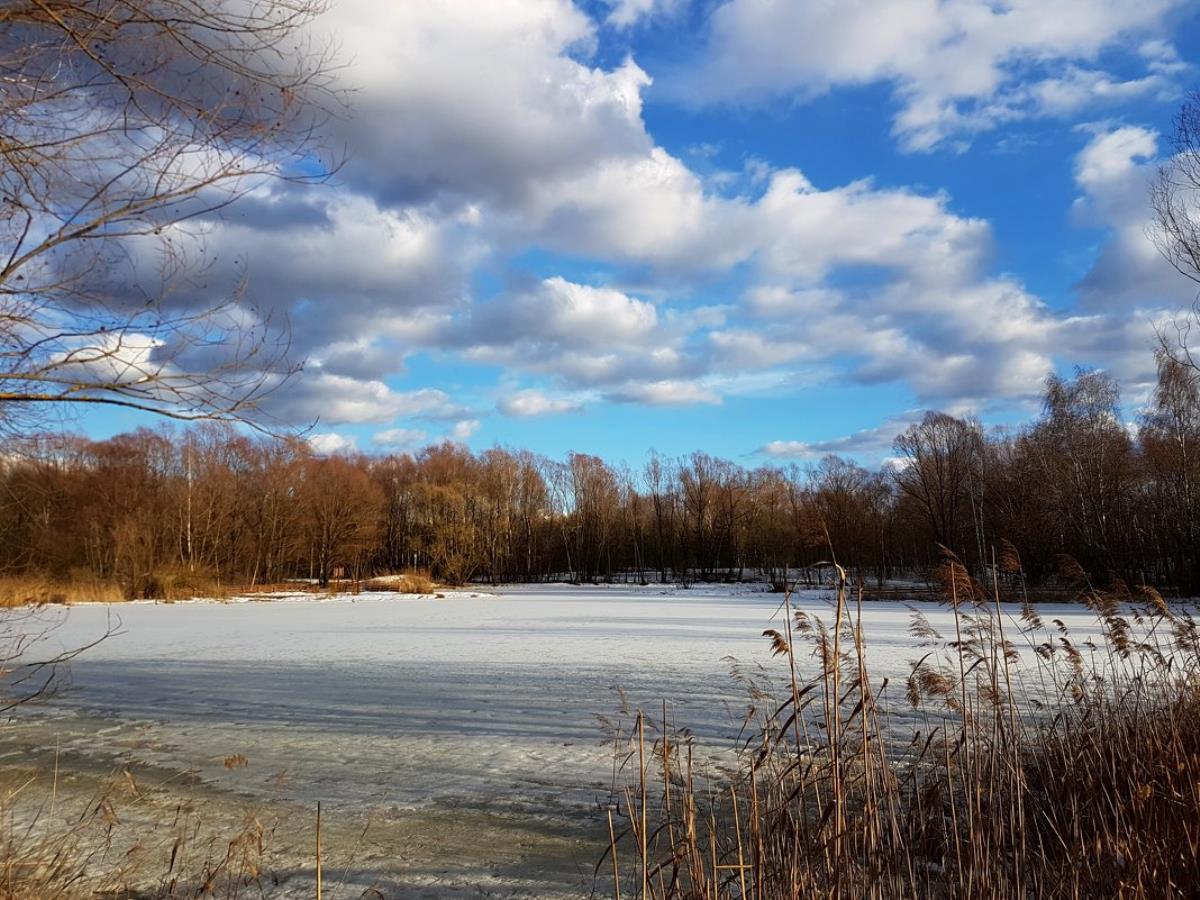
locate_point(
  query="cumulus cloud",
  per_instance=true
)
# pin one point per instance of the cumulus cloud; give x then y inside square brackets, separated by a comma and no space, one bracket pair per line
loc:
[409,439]
[587,336]
[957,67]
[464,428]
[337,400]
[331,443]
[558,310]
[476,131]
[870,443]
[481,132]
[108,358]
[664,393]
[531,402]
[339,264]
[1077,89]
[806,232]
[648,208]
[922,308]
[1113,173]
[626,13]
[461,114]
[476,102]
[399,438]
[919,308]
[928,314]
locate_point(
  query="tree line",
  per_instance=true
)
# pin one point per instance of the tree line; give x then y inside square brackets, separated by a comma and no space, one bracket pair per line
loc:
[212,503]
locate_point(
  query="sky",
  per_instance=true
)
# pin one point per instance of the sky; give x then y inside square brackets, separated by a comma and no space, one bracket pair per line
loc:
[761,229]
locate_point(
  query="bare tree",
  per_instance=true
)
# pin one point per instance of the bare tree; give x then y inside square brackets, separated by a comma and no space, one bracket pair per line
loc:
[159,513]
[1176,195]
[1170,435]
[1175,198]
[125,127]
[1088,462]
[341,508]
[941,455]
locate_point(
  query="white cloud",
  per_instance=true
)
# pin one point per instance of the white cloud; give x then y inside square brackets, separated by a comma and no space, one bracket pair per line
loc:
[331,443]
[664,393]
[480,131]
[626,13]
[746,349]
[957,66]
[931,317]
[336,262]
[464,428]
[806,232]
[788,449]
[593,317]
[108,358]
[644,208]
[587,336]
[394,439]
[1077,89]
[338,399]
[870,443]
[1109,158]
[400,438]
[1114,172]
[462,113]
[479,100]
[529,403]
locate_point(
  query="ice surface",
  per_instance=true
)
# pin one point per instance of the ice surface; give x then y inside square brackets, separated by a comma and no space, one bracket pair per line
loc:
[486,703]
[461,735]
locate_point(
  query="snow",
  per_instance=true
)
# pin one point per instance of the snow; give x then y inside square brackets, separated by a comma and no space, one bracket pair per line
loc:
[409,700]
[470,700]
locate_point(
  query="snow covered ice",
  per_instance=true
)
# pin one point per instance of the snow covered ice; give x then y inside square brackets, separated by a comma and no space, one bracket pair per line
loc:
[474,696]
[480,701]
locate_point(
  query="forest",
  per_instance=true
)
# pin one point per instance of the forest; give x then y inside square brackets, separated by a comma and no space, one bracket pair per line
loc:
[159,512]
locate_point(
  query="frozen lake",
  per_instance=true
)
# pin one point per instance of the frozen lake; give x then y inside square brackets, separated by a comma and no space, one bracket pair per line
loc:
[404,701]
[474,702]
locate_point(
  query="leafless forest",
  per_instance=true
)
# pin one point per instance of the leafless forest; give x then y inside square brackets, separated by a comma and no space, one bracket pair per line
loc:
[161,511]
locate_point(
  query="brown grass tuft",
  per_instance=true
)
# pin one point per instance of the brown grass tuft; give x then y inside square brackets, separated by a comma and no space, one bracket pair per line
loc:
[411,581]
[22,590]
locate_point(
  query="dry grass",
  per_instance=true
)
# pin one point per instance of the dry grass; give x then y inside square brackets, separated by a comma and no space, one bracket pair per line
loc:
[173,585]
[1079,778]
[167,585]
[21,590]
[179,584]
[121,843]
[410,581]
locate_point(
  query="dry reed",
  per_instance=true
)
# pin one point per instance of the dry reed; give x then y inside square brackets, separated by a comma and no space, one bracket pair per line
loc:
[120,843]
[171,586]
[1077,776]
[30,590]
[410,581]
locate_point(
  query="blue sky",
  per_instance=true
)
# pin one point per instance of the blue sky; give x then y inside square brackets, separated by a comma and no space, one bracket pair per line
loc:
[765,230]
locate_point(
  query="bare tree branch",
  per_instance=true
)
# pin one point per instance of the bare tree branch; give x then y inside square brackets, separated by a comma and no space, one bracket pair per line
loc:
[124,126]
[1175,197]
